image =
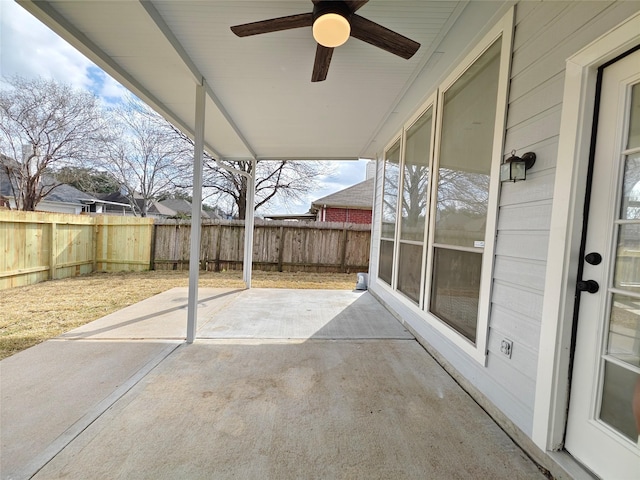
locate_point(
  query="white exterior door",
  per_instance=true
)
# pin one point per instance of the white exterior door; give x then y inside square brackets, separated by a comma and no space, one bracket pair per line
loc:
[604,412]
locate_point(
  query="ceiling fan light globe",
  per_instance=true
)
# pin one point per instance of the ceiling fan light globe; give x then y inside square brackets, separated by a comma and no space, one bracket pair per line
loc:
[331,30]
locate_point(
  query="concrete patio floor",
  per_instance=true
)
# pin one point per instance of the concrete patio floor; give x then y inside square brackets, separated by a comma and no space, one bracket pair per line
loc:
[279,384]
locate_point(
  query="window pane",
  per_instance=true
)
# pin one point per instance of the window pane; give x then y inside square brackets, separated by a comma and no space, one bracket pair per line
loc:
[464,169]
[634,118]
[409,270]
[468,125]
[627,269]
[386,261]
[390,191]
[624,329]
[630,205]
[416,179]
[455,289]
[618,400]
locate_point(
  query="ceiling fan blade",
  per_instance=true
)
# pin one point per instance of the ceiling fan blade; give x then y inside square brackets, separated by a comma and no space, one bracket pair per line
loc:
[355,5]
[381,37]
[321,64]
[273,25]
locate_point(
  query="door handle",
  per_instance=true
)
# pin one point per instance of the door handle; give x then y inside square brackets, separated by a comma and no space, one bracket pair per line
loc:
[593,258]
[590,286]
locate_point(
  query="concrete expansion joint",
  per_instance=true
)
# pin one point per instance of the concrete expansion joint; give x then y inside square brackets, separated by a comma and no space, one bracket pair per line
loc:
[70,434]
[120,339]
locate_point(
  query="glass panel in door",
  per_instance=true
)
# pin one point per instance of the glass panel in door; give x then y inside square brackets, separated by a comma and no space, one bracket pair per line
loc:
[622,354]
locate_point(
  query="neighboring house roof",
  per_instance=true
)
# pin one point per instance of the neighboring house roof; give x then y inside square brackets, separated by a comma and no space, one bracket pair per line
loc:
[358,196]
[183,207]
[171,207]
[120,199]
[5,183]
[63,193]
[113,197]
[178,205]
[158,209]
[5,186]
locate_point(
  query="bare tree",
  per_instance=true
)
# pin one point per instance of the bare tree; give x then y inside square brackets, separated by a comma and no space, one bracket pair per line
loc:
[414,200]
[44,125]
[463,192]
[390,196]
[144,155]
[283,180]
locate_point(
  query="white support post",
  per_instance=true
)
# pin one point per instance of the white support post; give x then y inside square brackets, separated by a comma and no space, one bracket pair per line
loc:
[196,217]
[248,226]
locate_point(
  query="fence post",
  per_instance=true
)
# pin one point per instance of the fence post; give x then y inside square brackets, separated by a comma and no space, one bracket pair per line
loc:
[281,249]
[202,256]
[94,245]
[343,259]
[53,252]
[175,247]
[152,253]
[218,247]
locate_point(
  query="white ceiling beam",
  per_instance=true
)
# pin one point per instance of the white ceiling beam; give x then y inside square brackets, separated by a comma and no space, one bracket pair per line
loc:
[171,38]
[191,65]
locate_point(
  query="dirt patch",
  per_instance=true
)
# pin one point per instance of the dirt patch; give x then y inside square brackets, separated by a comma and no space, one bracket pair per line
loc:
[31,314]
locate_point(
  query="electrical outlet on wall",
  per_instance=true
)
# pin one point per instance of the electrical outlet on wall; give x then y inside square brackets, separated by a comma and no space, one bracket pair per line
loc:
[506,347]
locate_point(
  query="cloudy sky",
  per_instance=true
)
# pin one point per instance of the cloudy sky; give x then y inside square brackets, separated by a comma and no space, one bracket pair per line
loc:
[28,48]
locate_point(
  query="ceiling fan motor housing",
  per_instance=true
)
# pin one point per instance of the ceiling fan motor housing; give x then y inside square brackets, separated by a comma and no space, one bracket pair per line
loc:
[331,23]
[340,8]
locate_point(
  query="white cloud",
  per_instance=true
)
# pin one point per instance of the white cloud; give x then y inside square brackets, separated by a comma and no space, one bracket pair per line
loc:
[347,173]
[112,89]
[30,49]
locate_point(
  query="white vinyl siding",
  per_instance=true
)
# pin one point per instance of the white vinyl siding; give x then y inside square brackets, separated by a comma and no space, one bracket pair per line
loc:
[545,35]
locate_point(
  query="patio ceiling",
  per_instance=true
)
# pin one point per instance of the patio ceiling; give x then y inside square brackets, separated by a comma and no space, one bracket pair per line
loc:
[261,103]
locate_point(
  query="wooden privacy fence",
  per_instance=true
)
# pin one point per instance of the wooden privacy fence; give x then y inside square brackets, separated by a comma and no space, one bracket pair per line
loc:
[38,246]
[277,246]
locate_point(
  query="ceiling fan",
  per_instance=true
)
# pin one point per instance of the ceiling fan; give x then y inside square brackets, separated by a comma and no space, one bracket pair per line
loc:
[333,21]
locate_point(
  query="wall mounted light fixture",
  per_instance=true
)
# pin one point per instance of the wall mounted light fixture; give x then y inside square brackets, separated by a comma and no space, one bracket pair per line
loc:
[515,168]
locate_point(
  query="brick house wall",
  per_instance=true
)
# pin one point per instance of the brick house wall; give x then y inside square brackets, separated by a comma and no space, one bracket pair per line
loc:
[348,215]
[353,204]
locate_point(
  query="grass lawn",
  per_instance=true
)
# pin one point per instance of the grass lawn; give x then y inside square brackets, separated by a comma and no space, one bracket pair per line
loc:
[32,314]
